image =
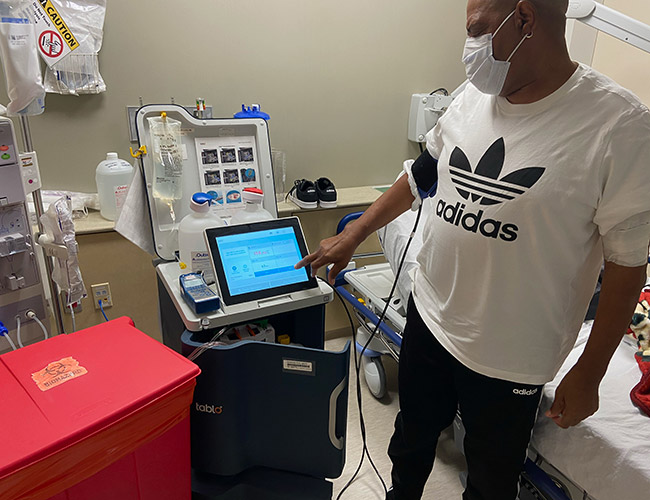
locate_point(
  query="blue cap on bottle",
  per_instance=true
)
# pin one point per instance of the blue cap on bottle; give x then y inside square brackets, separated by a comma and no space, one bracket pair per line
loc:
[253,111]
[201,198]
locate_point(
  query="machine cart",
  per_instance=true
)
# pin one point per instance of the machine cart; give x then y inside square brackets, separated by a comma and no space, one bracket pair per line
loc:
[268,420]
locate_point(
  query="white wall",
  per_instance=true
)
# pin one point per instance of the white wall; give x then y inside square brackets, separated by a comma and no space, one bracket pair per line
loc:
[628,65]
[336,77]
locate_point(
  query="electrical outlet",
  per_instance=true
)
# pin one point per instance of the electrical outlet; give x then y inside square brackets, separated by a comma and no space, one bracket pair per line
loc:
[102,291]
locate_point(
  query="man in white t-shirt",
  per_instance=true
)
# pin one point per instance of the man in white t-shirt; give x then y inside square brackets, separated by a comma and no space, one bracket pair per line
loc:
[540,172]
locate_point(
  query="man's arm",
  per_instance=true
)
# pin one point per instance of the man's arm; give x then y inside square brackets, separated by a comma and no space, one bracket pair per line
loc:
[576,398]
[338,250]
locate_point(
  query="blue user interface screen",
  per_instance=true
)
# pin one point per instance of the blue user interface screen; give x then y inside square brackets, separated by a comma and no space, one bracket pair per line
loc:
[260,260]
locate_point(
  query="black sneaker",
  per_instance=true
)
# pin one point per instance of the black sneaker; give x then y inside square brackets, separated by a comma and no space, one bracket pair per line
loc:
[303,194]
[326,193]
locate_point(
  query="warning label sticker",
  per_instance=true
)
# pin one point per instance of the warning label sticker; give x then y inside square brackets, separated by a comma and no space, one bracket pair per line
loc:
[57,373]
[55,40]
[50,43]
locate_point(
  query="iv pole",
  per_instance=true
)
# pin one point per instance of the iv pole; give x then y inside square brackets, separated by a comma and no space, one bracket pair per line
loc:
[38,205]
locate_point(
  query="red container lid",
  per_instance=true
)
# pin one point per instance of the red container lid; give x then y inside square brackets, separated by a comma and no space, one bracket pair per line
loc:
[59,392]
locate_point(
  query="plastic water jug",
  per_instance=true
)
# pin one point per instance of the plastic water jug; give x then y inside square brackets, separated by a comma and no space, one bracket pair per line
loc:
[253,211]
[191,243]
[113,177]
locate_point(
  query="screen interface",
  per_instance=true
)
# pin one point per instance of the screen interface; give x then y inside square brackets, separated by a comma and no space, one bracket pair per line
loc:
[260,260]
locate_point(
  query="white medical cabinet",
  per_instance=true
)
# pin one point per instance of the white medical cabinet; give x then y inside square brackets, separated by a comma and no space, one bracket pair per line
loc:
[268,420]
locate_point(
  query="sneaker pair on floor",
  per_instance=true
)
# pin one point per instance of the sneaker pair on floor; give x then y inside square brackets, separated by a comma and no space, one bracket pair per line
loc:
[308,194]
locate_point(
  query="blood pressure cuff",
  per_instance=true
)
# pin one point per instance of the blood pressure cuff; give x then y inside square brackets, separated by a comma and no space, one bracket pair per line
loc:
[626,244]
[422,176]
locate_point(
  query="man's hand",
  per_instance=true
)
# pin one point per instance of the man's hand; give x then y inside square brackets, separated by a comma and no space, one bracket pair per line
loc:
[337,250]
[576,398]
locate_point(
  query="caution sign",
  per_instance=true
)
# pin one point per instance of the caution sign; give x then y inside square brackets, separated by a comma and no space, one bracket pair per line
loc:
[50,44]
[55,39]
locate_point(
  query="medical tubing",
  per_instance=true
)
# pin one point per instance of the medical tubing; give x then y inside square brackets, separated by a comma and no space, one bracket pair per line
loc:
[101,306]
[362,423]
[358,356]
[74,322]
[204,347]
[397,275]
[40,323]
[18,338]
[32,315]
[4,332]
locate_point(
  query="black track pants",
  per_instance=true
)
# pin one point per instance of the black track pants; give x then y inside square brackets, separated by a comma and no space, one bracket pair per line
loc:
[498,416]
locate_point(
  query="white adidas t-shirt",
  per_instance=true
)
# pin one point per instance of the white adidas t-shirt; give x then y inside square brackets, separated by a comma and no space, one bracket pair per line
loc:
[513,249]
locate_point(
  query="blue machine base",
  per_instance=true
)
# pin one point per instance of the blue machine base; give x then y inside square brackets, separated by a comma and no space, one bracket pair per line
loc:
[260,484]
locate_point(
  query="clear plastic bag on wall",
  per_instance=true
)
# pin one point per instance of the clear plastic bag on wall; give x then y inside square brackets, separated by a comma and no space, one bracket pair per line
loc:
[20,59]
[79,73]
[59,227]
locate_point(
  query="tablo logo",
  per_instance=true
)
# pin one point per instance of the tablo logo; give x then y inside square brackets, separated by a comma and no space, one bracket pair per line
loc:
[211,409]
[484,184]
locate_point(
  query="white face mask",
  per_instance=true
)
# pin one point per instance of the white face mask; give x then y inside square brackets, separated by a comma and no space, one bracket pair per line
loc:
[483,70]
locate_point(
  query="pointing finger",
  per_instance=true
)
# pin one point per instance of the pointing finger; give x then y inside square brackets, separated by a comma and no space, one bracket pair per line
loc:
[307,260]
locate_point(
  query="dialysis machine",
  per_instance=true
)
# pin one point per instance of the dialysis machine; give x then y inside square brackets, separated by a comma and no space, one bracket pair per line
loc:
[21,289]
[268,419]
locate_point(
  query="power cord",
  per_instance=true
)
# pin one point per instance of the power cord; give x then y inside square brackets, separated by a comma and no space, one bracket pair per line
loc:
[358,356]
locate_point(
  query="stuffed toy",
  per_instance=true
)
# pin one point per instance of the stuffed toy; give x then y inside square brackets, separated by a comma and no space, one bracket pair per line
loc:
[640,325]
[640,328]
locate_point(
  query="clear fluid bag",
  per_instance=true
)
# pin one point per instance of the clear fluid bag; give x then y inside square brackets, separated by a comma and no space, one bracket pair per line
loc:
[167,160]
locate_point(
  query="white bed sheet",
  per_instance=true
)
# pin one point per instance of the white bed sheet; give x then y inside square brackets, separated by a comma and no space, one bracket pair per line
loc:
[607,455]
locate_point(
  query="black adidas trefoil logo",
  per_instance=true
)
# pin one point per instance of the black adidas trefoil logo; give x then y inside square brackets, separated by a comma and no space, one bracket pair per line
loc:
[484,184]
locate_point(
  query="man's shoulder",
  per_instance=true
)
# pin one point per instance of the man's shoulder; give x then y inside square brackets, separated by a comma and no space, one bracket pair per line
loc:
[606,93]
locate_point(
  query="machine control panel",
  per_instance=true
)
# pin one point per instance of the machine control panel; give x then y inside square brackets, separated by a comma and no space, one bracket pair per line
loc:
[8,153]
[30,172]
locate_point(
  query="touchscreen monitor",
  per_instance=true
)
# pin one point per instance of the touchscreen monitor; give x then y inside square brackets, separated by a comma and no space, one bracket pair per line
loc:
[256,260]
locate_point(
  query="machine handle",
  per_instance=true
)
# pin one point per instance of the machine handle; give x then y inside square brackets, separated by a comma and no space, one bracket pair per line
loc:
[337,442]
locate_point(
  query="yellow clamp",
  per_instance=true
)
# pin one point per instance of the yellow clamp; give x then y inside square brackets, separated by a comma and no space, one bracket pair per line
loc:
[142,150]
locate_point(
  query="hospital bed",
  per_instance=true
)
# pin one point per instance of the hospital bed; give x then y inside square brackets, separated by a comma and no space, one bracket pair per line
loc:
[607,457]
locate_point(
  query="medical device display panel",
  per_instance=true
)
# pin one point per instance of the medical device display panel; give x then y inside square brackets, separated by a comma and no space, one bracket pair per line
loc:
[256,261]
[227,165]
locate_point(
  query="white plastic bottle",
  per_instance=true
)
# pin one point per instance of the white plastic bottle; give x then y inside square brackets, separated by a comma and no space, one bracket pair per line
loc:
[113,177]
[191,243]
[253,211]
